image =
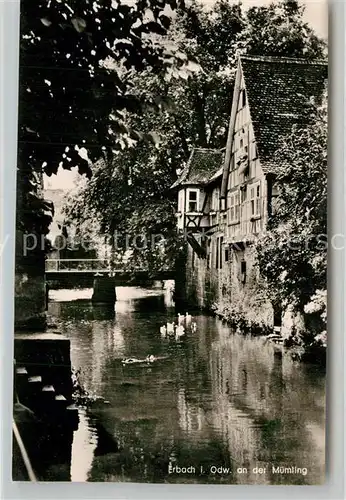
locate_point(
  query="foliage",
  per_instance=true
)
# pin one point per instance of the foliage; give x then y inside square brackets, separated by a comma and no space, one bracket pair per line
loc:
[75,90]
[318,304]
[214,39]
[135,183]
[280,30]
[138,223]
[292,255]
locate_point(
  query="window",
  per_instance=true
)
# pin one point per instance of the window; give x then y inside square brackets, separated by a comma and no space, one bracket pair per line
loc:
[215,200]
[220,251]
[233,179]
[255,198]
[253,151]
[192,200]
[258,206]
[243,98]
[243,194]
[208,253]
[243,271]
[217,242]
[234,206]
[226,254]
[181,201]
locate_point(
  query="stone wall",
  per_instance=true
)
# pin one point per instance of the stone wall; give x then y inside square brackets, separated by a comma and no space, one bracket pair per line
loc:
[226,290]
[202,283]
[47,355]
[30,289]
[242,300]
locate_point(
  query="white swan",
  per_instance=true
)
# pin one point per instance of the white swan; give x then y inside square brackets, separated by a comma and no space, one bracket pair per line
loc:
[170,328]
[188,318]
[194,327]
[163,330]
[181,319]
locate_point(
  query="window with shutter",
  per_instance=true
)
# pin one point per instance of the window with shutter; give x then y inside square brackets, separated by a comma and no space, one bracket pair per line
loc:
[209,254]
[234,207]
[226,254]
[215,200]
[243,98]
[253,151]
[221,251]
[255,200]
[243,271]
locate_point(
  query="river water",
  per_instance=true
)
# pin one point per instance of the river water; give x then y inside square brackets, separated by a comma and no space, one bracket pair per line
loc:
[218,404]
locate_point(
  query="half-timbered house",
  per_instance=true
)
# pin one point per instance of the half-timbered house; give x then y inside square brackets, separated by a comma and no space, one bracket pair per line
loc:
[234,194]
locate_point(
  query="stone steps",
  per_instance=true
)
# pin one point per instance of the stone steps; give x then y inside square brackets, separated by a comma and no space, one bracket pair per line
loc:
[39,395]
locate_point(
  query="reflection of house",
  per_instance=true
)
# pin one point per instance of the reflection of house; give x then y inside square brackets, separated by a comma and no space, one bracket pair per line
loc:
[191,415]
[225,199]
[260,404]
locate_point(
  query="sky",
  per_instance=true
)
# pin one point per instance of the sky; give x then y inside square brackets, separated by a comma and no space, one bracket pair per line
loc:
[316,14]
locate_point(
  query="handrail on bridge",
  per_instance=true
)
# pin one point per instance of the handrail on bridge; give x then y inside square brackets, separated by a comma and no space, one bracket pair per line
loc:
[88,265]
[56,265]
[78,260]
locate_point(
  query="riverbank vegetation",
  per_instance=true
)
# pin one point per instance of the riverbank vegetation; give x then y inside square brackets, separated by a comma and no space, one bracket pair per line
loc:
[292,255]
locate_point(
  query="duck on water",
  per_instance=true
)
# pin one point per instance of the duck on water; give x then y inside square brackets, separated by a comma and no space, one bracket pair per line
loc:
[148,359]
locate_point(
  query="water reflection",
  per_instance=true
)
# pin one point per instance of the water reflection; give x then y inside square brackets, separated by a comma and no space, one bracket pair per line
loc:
[83,448]
[215,399]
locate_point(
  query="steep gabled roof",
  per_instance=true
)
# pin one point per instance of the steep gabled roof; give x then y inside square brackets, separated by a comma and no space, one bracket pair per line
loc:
[201,167]
[278,90]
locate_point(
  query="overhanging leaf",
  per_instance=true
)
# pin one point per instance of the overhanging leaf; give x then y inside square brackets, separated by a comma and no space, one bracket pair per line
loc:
[45,21]
[79,24]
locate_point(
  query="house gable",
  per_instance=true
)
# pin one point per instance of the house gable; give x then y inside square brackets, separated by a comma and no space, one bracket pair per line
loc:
[245,186]
[193,188]
[270,96]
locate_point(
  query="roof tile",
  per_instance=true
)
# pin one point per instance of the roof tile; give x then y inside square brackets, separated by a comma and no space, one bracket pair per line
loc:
[201,167]
[278,90]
